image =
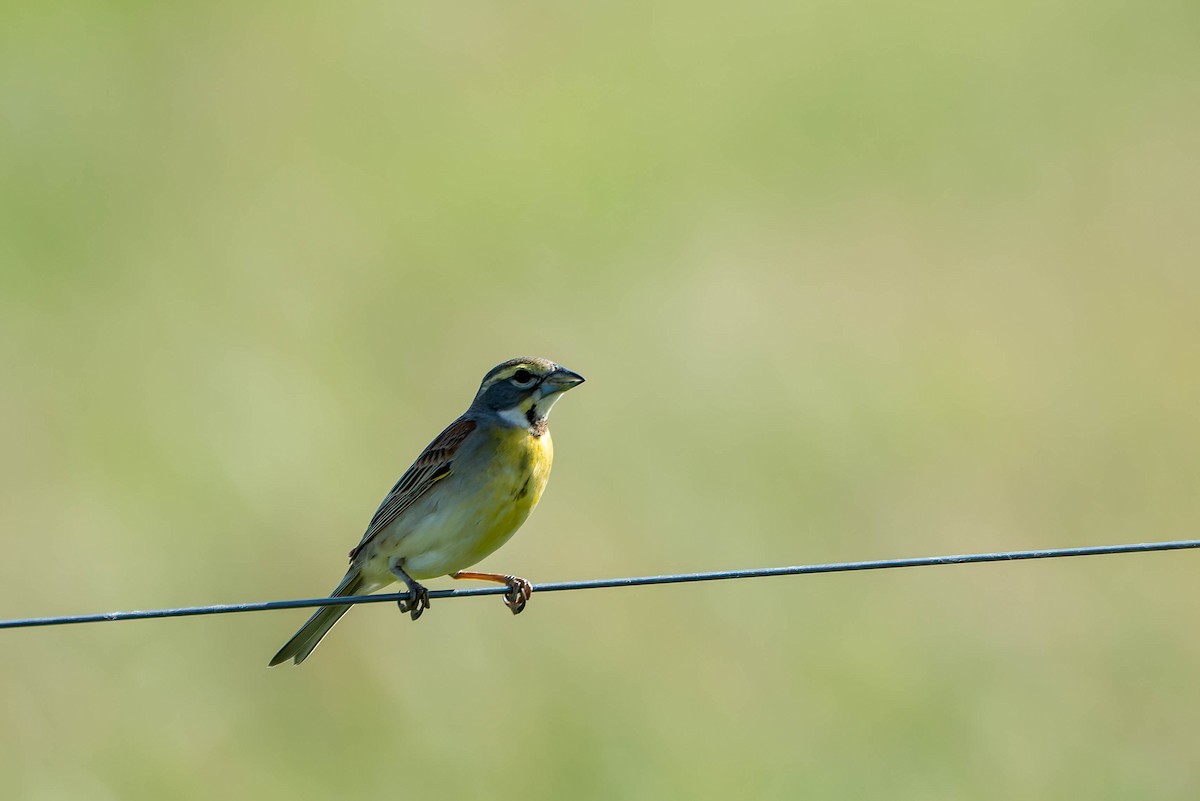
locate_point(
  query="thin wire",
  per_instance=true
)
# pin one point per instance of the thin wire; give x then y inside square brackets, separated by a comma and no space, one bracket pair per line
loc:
[599,584]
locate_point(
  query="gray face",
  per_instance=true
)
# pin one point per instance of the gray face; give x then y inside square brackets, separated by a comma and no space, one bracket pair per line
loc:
[508,385]
[521,392]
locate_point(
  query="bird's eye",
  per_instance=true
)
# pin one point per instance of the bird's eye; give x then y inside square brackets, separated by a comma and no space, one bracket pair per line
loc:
[522,378]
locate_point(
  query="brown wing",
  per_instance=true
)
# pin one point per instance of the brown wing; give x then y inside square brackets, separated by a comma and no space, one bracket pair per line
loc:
[430,467]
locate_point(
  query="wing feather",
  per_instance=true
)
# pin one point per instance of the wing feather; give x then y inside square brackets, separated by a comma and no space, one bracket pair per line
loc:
[431,466]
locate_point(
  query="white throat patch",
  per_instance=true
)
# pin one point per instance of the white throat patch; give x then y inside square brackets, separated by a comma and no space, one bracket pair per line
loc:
[541,410]
[514,417]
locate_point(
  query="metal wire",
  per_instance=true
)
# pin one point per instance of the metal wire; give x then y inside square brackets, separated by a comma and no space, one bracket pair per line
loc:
[599,584]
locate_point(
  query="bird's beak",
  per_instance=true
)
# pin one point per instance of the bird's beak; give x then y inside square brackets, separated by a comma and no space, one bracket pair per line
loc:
[561,380]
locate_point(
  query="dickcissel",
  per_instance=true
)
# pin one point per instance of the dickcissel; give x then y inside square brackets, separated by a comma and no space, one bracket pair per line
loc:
[463,497]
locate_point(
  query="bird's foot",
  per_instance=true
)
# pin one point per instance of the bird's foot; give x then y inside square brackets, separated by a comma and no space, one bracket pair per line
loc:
[519,590]
[418,597]
[416,603]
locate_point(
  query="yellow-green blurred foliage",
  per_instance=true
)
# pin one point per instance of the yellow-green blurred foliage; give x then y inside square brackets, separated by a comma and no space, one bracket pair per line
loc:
[847,280]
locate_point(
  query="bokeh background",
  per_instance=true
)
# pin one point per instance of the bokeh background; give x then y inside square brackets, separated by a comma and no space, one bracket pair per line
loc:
[848,281]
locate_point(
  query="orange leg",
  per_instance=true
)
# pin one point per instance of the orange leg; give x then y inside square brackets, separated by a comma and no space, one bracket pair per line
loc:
[519,589]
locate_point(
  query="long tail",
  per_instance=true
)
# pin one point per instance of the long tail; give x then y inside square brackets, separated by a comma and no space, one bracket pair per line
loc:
[306,639]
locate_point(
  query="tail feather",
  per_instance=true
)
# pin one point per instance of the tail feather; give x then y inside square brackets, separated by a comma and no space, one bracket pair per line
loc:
[310,634]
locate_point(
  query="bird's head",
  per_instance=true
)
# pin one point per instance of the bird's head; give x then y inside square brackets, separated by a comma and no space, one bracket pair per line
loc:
[520,392]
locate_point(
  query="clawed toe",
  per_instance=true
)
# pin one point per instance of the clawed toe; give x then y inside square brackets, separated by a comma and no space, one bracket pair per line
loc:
[418,597]
[519,590]
[417,603]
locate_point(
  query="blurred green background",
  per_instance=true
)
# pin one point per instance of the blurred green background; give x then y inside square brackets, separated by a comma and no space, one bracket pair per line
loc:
[848,281]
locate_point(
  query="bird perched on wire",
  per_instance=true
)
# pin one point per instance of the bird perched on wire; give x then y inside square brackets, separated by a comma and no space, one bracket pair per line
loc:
[464,496]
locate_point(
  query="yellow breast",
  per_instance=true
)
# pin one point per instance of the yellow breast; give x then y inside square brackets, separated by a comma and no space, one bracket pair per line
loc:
[520,471]
[478,507]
